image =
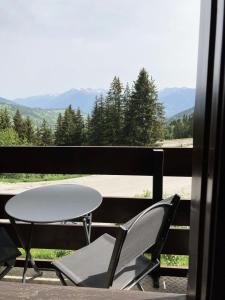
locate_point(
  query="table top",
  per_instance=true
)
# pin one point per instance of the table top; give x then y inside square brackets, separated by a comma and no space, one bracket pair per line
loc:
[53,203]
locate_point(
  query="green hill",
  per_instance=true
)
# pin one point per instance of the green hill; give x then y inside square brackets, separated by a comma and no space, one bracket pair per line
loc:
[180,115]
[36,114]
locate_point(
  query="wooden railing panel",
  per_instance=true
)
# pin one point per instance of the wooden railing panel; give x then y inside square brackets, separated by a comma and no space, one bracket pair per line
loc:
[178,162]
[99,160]
[93,160]
[120,210]
[72,237]
[174,271]
[78,160]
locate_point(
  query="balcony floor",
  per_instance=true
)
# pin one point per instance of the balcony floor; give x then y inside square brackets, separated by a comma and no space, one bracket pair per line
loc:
[177,285]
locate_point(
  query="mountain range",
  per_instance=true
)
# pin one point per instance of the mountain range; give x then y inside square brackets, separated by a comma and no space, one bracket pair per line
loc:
[186,112]
[82,98]
[175,101]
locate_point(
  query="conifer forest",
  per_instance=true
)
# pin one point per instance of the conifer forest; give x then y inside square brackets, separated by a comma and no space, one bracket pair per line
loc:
[125,115]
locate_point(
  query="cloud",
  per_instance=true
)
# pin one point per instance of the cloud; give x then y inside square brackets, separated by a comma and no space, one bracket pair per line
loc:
[52,45]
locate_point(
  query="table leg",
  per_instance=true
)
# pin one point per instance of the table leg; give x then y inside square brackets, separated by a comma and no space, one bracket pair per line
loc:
[26,247]
[86,230]
[89,225]
[87,220]
[27,250]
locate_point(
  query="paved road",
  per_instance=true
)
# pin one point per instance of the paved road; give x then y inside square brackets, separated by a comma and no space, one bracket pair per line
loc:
[109,185]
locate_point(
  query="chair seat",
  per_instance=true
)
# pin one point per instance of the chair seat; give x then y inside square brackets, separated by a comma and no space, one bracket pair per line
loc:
[84,271]
[87,272]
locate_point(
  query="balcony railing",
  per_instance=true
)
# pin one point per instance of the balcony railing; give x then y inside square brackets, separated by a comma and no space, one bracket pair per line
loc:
[114,210]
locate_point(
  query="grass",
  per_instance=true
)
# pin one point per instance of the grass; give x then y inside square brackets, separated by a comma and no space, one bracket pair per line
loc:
[23,177]
[148,194]
[174,260]
[166,260]
[46,253]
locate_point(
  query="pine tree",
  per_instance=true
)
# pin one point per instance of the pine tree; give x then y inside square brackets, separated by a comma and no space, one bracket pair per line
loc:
[37,137]
[87,130]
[114,113]
[126,116]
[18,125]
[126,97]
[28,130]
[5,121]
[190,126]
[182,127]
[9,137]
[78,129]
[68,124]
[59,135]
[97,123]
[70,128]
[158,124]
[144,116]
[168,131]
[46,135]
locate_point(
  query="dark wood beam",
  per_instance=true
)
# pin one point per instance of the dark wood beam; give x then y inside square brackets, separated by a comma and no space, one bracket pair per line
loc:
[207,245]
[94,160]
[72,237]
[121,209]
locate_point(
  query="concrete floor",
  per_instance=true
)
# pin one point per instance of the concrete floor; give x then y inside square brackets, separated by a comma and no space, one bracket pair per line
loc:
[176,285]
[112,185]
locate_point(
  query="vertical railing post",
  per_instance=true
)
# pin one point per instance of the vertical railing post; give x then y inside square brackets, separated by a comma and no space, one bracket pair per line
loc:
[157,192]
[157,195]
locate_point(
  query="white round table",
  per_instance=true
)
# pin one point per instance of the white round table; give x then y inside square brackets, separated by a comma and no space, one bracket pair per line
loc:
[53,203]
[50,204]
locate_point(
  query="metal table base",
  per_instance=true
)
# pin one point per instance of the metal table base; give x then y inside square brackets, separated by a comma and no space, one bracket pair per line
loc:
[26,246]
[60,203]
[87,221]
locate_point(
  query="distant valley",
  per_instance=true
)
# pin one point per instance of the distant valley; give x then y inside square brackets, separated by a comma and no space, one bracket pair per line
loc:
[36,114]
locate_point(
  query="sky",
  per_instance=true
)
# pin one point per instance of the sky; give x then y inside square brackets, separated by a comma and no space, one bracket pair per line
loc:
[50,46]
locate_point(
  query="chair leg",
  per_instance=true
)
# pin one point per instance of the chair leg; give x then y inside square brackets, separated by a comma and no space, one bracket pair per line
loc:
[5,271]
[61,278]
[155,277]
[155,274]
[140,287]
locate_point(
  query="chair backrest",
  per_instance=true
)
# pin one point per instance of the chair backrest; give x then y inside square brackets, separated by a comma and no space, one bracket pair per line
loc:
[147,230]
[8,250]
